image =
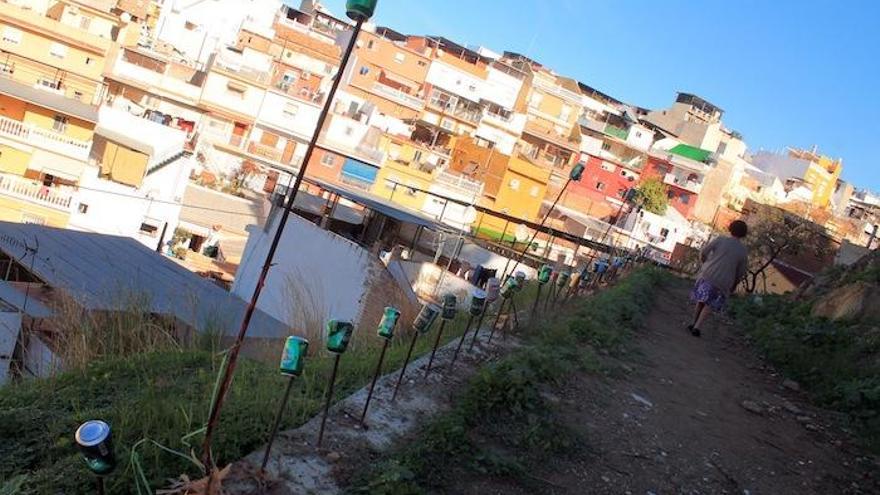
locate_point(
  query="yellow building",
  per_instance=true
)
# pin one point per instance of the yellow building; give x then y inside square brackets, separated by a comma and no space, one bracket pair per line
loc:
[50,86]
[519,193]
[822,173]
[409,169]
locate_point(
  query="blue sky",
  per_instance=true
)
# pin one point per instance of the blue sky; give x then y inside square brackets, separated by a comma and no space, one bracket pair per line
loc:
[786,72]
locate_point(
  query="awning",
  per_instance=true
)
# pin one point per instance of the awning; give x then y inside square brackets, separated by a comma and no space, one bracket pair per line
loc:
[399,79]
[58,165]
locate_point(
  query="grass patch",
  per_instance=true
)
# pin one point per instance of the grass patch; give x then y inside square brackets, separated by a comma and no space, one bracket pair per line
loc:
[501,422]
[837,362]
[164,397]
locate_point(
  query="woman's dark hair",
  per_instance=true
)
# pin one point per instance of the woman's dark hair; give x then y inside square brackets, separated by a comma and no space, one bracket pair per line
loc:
[738,229]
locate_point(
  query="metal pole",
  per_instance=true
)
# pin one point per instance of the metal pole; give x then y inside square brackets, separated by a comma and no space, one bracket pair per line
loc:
[373,383]
[229,371]
[329,398]
[467,329]
[434,350]
[535,304]
[275,426]
[162,238]
[514,311]
[479,324]
[497,317]
[100,485]
[412,345]
[543,221]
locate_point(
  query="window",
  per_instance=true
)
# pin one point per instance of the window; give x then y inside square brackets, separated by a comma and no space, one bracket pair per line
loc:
[664,233]
[535,100]
[349,131]
[370,44]
[607,167]
[89,60]
[59,123]
[47,83]
[606,146]
[422,63]
[11,35]
[399,57]
[149,229]
[600,186]
[534,191]
[685,198]
[638,134]
[565,112]
[57,50]
[328,160]
[78,95]
[722,147]
[364,70]
[82,208]
[514,184]
[84,23]
[290,110]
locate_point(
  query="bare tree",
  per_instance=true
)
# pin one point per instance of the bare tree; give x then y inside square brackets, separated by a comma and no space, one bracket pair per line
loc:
[774,233]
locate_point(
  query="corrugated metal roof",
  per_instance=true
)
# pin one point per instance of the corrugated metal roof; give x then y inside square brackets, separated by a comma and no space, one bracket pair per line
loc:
[49,100]
[103,272]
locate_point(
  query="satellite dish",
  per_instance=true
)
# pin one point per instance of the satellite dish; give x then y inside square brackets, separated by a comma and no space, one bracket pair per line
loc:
[470,215]
[522,233]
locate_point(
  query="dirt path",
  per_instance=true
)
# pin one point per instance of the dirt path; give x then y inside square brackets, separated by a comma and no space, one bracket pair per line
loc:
[695,416]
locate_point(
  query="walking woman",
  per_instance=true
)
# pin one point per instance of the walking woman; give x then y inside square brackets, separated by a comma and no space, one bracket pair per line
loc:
[724,261]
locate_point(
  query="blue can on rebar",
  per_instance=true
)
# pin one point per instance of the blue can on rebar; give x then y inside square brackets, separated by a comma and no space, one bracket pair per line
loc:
[95,441]
[450,303]
[520,278]
[493,289]
[389,321]
[426,318]
[339,335]
[294,355]
[478,301]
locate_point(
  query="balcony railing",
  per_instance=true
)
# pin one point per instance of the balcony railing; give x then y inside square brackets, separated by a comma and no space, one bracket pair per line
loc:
[28,190]
[688,185]
[44,138]
[461,183]
[264,151]
[398,96]
[252,74]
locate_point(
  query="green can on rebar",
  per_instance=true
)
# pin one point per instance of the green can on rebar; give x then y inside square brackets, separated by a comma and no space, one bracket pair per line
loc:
[389,321]
[294,355]
[478,301]
[577,172]
[426,318]
[563,278]
[339,335]
[95,441]
[509,287]
[450,303]
[360,10]
[544,274]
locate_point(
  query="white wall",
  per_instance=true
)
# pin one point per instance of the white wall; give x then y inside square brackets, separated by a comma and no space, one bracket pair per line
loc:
[429,280]
[504,141]
[216,91]
[328,271]
[276,111]
[117,209]
[502,89]
[457,82]
[640,137]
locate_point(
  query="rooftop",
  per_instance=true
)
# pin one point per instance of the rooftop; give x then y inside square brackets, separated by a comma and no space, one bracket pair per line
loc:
[47,99]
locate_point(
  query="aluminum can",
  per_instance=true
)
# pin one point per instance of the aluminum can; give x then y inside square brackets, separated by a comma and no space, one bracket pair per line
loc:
[426,318]
[493,289]
[544,274]
[389,321]
[450,303]
[478,302]
[95,441]
[339,335]
[294,355]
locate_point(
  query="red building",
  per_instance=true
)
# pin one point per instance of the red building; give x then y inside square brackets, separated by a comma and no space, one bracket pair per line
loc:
[683,180]
[602,187]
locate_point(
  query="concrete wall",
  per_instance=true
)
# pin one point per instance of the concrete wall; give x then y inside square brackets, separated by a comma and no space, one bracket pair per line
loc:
[317,275]
[289,114]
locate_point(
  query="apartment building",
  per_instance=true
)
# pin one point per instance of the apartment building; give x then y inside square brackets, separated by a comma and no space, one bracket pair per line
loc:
[390,73]
[504,102]
[50,86]
[682,168]
[818,172]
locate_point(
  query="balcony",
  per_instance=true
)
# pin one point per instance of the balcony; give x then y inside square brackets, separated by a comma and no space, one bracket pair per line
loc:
[682,183]
[459,183]
[44,138]
[250,73]
[264,151]
[142,76]
[34,192]
[404,99]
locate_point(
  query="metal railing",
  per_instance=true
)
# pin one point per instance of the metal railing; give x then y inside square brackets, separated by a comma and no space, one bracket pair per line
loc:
[29,190]
[44,138]
[398,96]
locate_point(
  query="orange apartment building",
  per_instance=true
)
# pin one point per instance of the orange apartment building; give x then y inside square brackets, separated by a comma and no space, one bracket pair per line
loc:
[390,74]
